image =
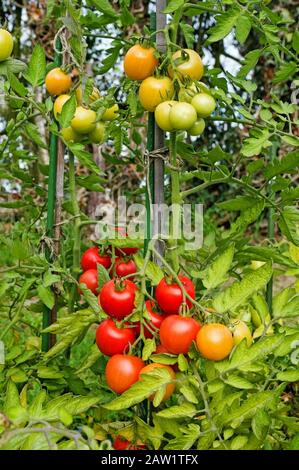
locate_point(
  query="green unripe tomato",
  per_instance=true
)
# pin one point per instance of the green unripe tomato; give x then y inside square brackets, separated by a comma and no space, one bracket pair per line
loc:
[84,120]
[6,44]
[69,135]
[111,113]
[97,136]
[197,128]
[182,116]
[240,331]
[204,104]
[187,93]
[162,115]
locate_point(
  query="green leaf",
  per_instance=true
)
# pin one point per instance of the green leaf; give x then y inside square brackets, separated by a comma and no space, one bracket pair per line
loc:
[46,296]
[11,397]
[238,442]
[188,33]
[291,140]
[142,389]
[258,140]
[153,272]
[288,163]
[65,417]
[173,5]
[295,41]
[84,157]
[289,309]
[45,372]
[182,363]
[68,111]
[239,382]
[247,217]
[240,291]
[33,132]
[260,424]
[178,411]
[50,279]
[286,71]
[217,154]
[148,348]
[215,273]
[11,66]
[103,276]
[167,359]
[243,28]
[249,62]
[290,375]
[260,400]
[189,394]
[36,70]
[35,408]
[16,85]
[224,24]
[104,6]
[289,224]
[238,204]
[110,60]
[74,405]
[243,357]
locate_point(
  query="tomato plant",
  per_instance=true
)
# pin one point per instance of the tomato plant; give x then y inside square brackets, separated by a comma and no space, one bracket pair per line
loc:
[182,175]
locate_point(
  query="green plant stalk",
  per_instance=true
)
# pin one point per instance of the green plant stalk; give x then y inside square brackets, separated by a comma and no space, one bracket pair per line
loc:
[150,148]
[271,229]
[176,205]
[76,230]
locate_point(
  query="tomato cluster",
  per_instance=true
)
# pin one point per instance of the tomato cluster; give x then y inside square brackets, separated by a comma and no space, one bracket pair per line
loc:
[84,125]
[157,93]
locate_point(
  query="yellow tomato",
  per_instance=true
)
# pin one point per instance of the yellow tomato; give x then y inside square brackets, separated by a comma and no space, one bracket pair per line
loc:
[6,44]
[155,90]
[98,134]
[162,115]
[58,104]
[191,66]
[69,135]
[240,331]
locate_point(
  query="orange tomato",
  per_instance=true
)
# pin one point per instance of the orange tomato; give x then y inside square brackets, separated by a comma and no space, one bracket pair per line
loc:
[140,62]
[169,387]
[214,341]
[155,90]
[57,82]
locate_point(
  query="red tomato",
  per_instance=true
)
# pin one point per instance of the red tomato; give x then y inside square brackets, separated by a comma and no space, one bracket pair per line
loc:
[112,340]
[90,279]
[92,257]
[124,268]
[117,298]
[122,372]
[177,333]
[120,443]
[170,296]
[155,322]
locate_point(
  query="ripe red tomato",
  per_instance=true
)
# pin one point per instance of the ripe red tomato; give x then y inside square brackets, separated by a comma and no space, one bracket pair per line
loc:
[112,340]
[169,387]
[177,333]
[117,298]
[90,279]
[92,257]
[120,443]
[214,341]
[170,296]
[155,322]
[57,82]
[140,62]
[122,372]
[124,268]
